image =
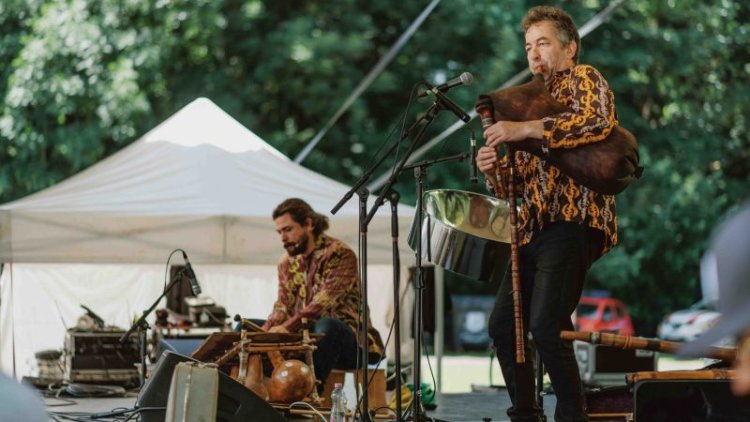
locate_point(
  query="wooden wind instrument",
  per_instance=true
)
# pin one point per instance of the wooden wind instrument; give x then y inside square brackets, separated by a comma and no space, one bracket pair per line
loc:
[705,374]
[628,342]
[607,166]
[485,109]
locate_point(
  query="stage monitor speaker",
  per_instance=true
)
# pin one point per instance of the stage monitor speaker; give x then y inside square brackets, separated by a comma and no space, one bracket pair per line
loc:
[688,401]
[235,402]
[183,346]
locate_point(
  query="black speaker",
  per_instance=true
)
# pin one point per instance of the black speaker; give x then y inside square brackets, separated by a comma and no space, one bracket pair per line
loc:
[688,401]
[235,402]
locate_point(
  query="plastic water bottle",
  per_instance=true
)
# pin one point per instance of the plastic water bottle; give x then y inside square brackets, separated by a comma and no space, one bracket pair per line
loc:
[338,403]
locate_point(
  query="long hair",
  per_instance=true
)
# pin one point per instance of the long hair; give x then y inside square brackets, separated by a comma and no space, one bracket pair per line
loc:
[300,211]
[566,29]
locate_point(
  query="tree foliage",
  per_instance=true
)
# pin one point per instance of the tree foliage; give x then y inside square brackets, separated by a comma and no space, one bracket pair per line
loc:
[83,78]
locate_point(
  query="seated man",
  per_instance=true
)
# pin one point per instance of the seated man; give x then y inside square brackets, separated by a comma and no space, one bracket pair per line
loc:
[318,280]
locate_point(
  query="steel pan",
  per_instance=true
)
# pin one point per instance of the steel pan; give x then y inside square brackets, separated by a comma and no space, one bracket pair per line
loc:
[464,232]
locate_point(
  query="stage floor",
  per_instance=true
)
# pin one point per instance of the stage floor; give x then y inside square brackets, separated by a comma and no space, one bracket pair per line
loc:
[458,407]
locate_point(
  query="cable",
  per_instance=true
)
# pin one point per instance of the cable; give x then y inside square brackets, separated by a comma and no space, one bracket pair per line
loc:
[118,414]
[166,270]
[320,415]
[86,390]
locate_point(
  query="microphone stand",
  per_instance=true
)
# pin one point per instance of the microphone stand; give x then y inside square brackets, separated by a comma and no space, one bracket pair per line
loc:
[142,326]
[394,198]
[363,193]
[441,103]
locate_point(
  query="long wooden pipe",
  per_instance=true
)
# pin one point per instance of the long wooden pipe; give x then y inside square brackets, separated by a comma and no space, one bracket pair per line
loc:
[486,111]
[629,342]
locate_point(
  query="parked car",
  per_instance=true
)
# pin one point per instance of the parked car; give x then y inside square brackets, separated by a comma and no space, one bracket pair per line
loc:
[603,313]
[687,324]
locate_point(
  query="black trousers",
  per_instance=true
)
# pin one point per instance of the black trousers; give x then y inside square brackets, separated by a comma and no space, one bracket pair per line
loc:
[336,349]
[553,268]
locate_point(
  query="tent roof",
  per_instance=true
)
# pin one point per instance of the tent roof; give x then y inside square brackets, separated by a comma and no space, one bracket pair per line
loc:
[199,180]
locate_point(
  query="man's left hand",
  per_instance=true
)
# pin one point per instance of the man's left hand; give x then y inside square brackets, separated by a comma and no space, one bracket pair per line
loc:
[507,131]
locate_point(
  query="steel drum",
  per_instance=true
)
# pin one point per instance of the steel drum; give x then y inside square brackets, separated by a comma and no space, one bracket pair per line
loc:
[464,232]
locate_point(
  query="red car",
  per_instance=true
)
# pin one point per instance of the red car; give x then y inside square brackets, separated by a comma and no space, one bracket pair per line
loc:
[603,314]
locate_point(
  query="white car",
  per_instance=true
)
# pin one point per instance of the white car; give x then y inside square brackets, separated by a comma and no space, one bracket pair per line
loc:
[687,324]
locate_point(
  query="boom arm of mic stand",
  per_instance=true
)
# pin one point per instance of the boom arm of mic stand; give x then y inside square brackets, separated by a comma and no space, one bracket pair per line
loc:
[427,118]
[427,163]
[363,179]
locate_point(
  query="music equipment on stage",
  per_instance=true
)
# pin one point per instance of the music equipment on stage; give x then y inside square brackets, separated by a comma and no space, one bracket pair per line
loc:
[687,400]
[685,395]
[193,393]
[204,312]
[235,403]
[606,166]
[290,380]
[99,357]
[465,232]
[608,366]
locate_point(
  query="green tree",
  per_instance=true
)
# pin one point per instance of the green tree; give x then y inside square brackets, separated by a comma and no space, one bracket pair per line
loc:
[84,78]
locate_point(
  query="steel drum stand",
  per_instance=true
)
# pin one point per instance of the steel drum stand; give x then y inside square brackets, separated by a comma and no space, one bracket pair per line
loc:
[420,171]
[441,103]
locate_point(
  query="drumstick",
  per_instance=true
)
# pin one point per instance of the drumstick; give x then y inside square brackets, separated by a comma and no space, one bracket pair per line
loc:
[485,110]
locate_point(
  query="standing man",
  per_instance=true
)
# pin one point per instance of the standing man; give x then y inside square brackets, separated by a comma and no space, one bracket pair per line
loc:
[563,226]
[318,280]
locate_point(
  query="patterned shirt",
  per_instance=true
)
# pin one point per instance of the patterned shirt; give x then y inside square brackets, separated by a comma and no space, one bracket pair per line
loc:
[548,194]
[322,284]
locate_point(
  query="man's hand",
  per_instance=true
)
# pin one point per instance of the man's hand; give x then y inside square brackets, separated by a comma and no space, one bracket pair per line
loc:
[278,329]
[487,161]
[507,131]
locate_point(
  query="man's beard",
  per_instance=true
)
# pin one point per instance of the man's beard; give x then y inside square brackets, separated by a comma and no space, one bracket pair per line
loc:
[297,248]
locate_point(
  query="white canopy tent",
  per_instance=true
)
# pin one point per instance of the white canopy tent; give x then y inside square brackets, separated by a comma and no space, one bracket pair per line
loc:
[200,181]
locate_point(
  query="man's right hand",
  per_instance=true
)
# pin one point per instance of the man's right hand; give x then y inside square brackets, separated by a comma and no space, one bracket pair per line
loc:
[487,161]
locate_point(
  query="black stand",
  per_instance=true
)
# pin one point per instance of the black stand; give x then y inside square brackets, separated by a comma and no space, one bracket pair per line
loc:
[441,103]
[142,326]
[363,193]
[394,198]
[420,171]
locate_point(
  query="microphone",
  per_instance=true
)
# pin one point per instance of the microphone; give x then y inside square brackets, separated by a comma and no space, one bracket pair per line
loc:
[449,104]
[473,159]
[465,78]
[191,276]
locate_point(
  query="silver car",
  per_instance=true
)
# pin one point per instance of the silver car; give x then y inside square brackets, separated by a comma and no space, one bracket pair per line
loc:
[687,324]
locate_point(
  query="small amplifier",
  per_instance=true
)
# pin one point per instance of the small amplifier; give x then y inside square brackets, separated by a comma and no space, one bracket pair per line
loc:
[208,316]
[99,357]
[606,366]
